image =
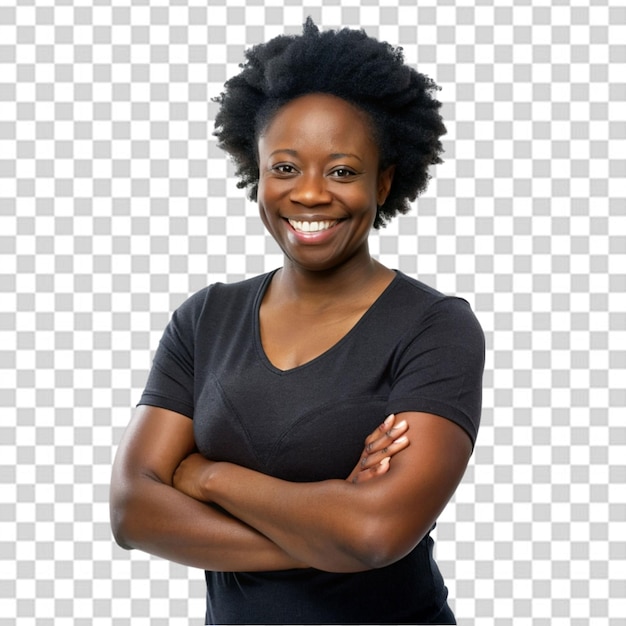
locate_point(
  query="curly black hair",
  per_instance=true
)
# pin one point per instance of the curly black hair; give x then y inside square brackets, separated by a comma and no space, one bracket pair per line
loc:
[349,64]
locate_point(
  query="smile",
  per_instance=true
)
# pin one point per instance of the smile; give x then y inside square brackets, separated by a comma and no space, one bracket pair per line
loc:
[311,227]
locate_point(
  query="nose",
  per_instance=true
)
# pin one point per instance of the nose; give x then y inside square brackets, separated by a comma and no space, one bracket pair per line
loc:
[310,189]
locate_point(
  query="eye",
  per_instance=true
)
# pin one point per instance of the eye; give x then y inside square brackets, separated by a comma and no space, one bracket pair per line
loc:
[284,168]
[342,172]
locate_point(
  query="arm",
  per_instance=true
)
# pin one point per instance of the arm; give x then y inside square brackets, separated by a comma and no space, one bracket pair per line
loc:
[149,514]
[342,526]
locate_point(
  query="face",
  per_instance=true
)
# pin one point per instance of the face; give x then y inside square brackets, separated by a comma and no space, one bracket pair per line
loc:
[320,182]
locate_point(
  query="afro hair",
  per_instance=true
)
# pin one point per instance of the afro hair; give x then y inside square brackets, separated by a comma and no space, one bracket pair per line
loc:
[348,64]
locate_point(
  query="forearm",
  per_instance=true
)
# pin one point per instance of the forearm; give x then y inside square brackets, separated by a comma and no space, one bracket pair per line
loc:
[287,513]
[330,524]
[341,526]
[154,517]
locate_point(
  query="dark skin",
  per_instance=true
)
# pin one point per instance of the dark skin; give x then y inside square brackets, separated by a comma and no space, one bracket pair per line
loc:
[320,184]
[294,332]
[150,514]
[325,172]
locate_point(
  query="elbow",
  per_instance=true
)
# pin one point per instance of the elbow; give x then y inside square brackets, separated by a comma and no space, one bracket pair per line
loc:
[121,521]
[378,555]
[381,543]
[127,508]
[120,534]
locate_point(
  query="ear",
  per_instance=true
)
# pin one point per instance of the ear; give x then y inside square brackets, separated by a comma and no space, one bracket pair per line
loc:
[385,178]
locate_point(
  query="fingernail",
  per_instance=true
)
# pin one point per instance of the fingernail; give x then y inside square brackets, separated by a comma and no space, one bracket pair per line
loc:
[389,420]
[402,424]
[402,439]
[385,461]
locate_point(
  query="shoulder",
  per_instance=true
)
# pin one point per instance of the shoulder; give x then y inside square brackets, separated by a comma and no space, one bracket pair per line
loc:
[428,308]
[224,297]
[440,359]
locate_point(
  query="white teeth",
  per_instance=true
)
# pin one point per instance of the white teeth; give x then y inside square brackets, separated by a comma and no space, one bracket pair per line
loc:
[312,227]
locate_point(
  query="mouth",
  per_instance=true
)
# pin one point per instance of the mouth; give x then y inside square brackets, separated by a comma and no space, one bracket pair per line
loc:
[311,226]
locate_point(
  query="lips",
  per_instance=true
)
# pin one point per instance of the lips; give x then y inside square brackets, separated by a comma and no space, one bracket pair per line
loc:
[306,226]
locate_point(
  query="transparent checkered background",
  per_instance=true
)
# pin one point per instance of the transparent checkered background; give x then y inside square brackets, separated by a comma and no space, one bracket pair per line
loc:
[115,205]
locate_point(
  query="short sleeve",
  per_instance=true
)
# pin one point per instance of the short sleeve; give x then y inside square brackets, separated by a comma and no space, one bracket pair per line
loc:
[441,367]
[170,384]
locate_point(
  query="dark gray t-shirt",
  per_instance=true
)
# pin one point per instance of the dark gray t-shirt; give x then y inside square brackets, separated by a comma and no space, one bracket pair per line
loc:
[413,350]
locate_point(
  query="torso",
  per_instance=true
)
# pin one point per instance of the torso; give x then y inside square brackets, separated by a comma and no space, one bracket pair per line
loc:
[308,424]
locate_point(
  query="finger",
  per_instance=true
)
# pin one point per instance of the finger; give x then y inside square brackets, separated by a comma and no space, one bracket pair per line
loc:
[375,444]
[371,459]
[384,439]
[372,472]
[379,431]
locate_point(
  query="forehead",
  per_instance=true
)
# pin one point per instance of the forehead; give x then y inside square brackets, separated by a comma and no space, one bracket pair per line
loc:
[319,119]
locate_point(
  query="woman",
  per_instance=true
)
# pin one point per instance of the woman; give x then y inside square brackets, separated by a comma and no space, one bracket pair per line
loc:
[245,457]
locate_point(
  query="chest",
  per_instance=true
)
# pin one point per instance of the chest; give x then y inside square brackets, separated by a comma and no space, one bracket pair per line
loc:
[305,423]
[291,338]
[292,395]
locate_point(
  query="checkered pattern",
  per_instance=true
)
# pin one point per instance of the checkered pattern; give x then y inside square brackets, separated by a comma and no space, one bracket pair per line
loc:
[115,205]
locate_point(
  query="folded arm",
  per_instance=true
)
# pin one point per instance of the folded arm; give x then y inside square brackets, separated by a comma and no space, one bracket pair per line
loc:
[343,526]
[149,514]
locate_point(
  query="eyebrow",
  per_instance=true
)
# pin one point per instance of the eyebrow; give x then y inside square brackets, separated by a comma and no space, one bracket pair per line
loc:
[333,155]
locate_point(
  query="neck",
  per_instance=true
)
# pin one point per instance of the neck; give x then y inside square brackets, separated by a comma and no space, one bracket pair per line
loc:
[328,285]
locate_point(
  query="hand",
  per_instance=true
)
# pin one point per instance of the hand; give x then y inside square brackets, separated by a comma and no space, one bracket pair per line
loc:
[192,475]
[386,441]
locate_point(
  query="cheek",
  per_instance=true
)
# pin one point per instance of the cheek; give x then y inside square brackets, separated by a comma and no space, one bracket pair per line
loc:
[267,191]
[263,213]
[263,216]
[361,198]
[260,190]
[264,200]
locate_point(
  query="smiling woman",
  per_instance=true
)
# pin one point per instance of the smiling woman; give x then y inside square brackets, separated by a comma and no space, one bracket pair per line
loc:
[301,431]
[320,184]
